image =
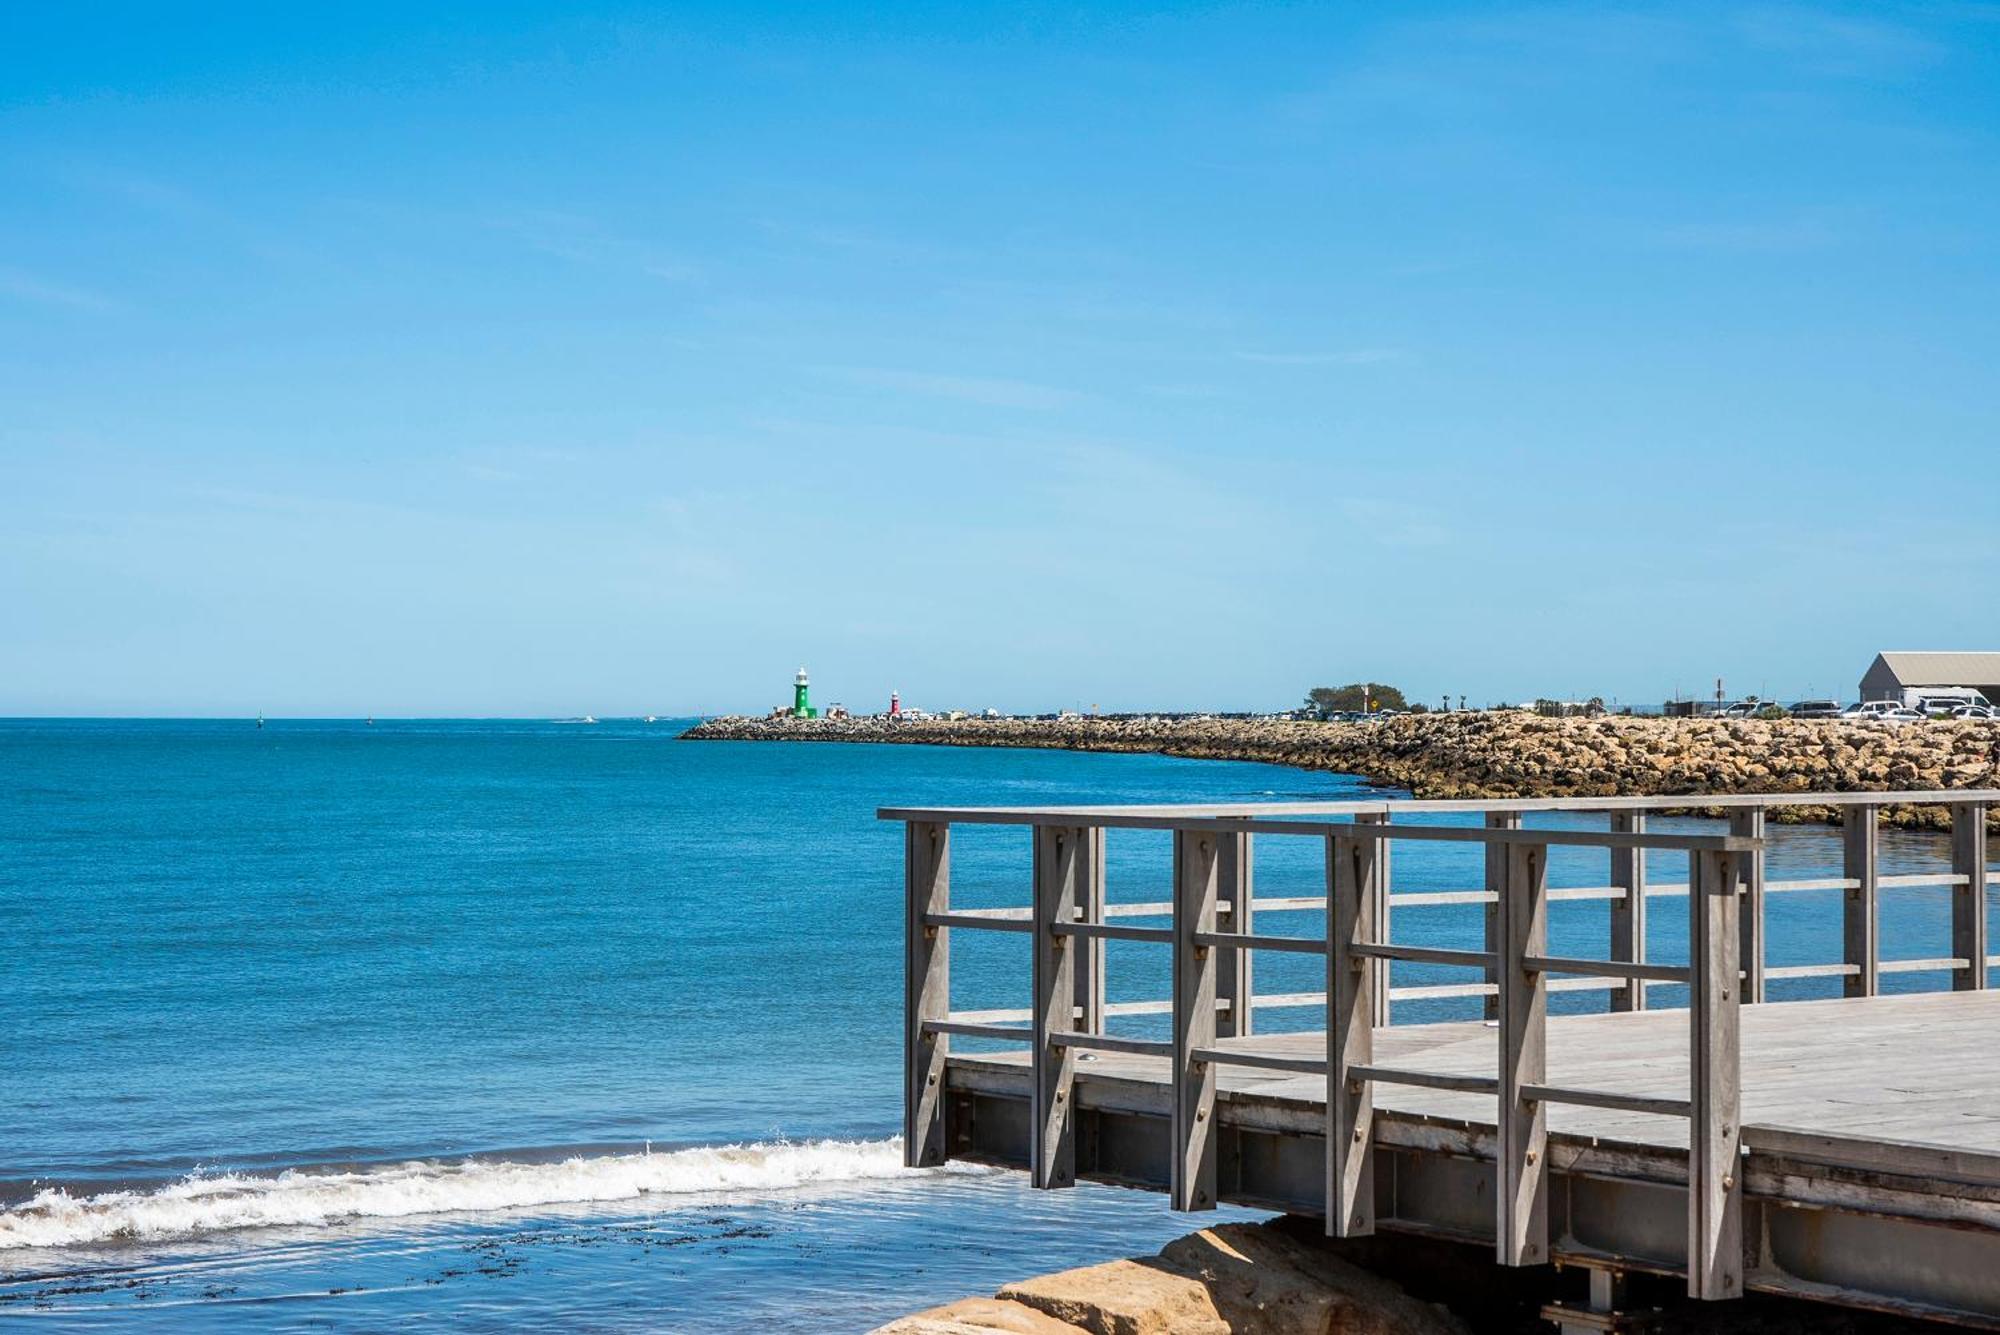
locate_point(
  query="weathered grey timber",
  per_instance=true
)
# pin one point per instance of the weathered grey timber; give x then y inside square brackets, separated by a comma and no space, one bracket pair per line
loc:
[1628,910]
[1844,1150]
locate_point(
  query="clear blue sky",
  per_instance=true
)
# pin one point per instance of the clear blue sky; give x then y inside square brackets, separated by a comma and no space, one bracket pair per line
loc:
[538,360]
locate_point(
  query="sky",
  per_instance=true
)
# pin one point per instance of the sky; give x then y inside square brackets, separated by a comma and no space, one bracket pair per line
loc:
[504,359]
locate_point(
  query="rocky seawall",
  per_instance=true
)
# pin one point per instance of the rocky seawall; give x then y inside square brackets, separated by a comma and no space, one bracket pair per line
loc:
[1499,753]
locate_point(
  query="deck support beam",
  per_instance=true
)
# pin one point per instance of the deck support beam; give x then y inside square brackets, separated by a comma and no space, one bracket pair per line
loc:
[926,990]
[1968,900]
[1351,979]
[1089,951]
[1715,1132]
[1860,845]
[1377,890]
[1236,886]
[1192,1181]
[1060,870]
[1628,915]
[1496,884]
[1749,822]
[1523,1181]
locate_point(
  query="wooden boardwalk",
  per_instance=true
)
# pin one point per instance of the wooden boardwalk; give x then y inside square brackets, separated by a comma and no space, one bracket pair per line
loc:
[1921,1069]
[1844,1150]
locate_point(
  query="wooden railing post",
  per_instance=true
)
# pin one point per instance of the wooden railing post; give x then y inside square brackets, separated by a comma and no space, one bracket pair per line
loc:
[1628,915]
[1351,872]
[1191,1183]
[1968,900]
[1860,948]
[926,990]
[1523,1173]
[1715,1187]
[1377,890]
[1059,866]
[1749,822]
[1089,951]
[1236,886]
[1496,880]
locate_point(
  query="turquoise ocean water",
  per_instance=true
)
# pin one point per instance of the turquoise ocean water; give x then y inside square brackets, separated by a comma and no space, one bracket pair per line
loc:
[499,1024]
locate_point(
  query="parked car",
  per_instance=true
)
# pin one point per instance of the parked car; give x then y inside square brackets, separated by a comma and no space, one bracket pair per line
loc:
[1975,712]
[1743,708]
[1815,709]
[1870,709]
[1947,706]
[1901,715]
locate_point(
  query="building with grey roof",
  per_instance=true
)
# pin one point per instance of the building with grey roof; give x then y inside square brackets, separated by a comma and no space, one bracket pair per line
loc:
[1893,673]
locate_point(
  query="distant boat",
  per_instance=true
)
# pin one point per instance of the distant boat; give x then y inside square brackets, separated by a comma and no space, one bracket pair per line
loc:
[260,718]
[371,720]
[651,719]
[588,719]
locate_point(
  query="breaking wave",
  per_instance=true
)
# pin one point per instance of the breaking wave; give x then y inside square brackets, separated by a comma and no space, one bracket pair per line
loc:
[201,1204]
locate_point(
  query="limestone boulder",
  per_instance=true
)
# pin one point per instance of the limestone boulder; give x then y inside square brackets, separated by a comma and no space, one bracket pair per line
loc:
[1239,1279]
[1142,1297]
[978,1316]
[1264,1280]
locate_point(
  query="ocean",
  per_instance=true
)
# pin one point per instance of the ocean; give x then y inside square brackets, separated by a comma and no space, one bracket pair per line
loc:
[517,1024]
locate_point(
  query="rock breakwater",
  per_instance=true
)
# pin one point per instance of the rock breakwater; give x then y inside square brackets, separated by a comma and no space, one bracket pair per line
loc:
[1498,753]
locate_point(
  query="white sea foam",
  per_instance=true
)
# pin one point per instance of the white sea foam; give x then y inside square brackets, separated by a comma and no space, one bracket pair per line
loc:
[306,1198]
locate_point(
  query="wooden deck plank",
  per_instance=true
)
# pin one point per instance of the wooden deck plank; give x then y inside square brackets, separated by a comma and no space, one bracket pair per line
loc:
[1886,1067]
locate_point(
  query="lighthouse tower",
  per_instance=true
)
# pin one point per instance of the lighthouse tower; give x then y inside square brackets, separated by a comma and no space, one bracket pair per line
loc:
[801,704]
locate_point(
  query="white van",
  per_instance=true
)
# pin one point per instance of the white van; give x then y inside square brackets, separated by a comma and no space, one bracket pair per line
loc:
[1942,699]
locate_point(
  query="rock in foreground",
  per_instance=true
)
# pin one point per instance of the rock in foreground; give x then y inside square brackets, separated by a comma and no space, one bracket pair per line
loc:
[1239,1279]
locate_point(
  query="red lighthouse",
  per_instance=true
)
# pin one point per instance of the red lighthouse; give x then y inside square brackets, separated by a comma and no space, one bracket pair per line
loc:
[895,704]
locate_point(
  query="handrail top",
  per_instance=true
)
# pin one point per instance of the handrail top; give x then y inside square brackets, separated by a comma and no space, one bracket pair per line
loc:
[1157,816]
[1099,815]
[1381,831]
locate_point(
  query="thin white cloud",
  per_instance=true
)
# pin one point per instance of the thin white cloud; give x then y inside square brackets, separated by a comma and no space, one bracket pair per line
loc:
[1766,237]
[1395,524]
[1184,391]
[1351,357]
[579,239]
[986,391]
[514,463]
[199,215]
[1837,44]
[24,286]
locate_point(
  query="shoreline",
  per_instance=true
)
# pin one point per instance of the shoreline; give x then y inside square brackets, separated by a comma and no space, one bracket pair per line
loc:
[1496,754]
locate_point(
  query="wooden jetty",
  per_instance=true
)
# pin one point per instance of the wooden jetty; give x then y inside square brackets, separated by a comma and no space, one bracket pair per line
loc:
[1845,1150]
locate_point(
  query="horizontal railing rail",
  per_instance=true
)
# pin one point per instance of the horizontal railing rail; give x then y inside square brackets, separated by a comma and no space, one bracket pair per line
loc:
[1210,932]
[1161,817]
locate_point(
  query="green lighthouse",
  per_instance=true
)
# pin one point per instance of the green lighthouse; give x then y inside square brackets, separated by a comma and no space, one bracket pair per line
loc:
[801,704]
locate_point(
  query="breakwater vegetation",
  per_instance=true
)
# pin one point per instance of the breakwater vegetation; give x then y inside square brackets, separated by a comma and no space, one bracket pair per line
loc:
[1497,753]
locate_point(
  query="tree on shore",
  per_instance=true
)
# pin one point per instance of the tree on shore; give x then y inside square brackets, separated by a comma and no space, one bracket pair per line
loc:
[1353,698]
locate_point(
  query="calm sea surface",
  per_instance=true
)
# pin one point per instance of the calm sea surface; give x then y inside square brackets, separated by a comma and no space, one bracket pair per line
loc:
[505,1024]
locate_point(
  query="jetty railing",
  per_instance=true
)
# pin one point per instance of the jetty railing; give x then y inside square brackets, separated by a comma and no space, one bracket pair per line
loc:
[1211,938]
